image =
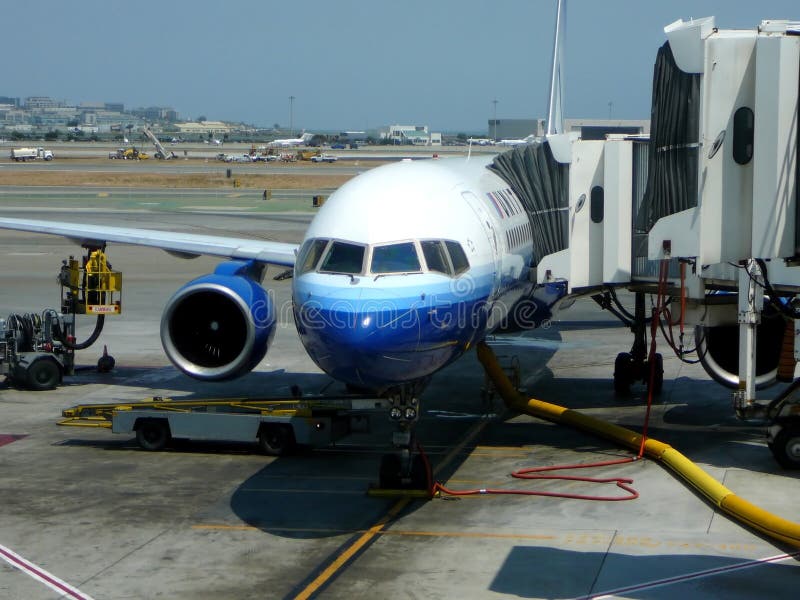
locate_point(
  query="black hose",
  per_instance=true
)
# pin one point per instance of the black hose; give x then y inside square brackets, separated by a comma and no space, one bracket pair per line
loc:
[98,329]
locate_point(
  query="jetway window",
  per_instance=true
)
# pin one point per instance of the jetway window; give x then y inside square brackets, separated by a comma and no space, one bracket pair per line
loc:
[596,202]
[743,126]
[457,257]
[436,257]
[395,258]
[344,258]
[310,254]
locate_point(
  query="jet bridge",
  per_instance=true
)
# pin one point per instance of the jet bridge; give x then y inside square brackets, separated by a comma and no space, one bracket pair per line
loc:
[713,192]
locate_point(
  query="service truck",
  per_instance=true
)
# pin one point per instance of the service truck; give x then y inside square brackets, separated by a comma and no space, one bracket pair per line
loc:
[25,154]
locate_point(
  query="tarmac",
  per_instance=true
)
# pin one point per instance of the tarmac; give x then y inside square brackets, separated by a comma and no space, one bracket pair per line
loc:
[91,510]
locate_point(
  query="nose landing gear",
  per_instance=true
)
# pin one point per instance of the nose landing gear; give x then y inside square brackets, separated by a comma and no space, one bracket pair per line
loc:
[406,469]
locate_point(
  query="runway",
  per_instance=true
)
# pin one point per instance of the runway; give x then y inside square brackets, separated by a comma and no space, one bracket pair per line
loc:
[222,521]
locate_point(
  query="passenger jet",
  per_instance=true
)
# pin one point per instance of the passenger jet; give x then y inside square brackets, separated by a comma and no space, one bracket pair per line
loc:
[402,271]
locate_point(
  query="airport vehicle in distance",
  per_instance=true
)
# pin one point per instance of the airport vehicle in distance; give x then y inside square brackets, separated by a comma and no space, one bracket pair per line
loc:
[26,154]
[128,154]
[328,158]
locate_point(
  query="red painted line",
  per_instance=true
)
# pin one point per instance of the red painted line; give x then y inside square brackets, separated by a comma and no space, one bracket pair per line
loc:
[50,580]
[7,438]
[689,576]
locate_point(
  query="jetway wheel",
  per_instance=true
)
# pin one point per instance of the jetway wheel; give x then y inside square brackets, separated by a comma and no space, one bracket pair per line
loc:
[627,371]
[623,373]
[785,446]
[658,376]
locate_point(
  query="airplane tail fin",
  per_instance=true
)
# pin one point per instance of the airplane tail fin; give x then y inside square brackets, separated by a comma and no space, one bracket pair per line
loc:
[555,108]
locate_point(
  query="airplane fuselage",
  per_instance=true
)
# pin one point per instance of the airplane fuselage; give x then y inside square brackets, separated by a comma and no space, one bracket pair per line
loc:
[408,265]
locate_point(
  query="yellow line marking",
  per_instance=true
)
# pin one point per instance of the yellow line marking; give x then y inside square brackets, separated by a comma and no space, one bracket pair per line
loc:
[377,529]
[342,559]
[573,538]
[517,448]
[302,491]
[388,532]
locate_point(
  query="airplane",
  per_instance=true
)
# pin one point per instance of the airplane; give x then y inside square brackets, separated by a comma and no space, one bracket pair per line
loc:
[432,257]
[290,142]
[517,142]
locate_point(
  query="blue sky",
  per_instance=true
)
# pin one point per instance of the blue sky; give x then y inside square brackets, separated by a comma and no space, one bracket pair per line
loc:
[351,64]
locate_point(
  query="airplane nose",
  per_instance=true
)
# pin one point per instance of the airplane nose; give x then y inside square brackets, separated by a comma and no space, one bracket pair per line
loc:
[374,346]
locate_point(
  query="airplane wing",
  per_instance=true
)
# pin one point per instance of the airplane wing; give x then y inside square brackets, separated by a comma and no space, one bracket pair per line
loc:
[187,245]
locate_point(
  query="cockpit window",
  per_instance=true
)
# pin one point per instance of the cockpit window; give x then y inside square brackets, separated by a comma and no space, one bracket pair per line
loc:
[343,258]
[436,257]
[457,257]
[395,258]
[310,254]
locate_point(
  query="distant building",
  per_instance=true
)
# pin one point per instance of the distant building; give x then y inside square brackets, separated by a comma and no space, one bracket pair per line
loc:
[353,136]
[9,100]
[156,113]
[418,135]
[42,102]
[514,129]
[597,129]
[204,127]
[589,129]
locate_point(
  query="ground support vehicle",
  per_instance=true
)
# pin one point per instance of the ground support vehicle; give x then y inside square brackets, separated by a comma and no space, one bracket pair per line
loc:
[26,154]
[128,154]
[37,350]
[329,158]
[31,356]
[276,425]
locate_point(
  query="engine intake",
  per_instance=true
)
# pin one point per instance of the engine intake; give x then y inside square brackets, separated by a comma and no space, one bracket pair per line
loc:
[219,326]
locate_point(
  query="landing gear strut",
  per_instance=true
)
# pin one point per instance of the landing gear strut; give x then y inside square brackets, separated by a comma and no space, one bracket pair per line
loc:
[405,469]
[631,367]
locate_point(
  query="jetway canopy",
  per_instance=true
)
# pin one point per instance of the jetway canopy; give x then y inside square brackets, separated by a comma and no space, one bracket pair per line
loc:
[674,141]
[542,184]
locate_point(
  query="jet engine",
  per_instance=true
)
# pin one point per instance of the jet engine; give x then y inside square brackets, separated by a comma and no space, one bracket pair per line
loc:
[219,326]
[718,349]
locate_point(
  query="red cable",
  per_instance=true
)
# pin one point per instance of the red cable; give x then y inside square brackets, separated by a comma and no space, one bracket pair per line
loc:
[663,273]
[623,483]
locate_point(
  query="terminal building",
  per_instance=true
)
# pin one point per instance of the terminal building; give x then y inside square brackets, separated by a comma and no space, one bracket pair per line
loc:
[589,129]
[416,135]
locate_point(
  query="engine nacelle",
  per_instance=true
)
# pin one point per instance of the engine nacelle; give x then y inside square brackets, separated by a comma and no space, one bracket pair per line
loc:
[219,326]
[718,349]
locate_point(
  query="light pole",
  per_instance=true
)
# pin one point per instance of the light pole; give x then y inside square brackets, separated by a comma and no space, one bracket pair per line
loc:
[494,137]
[291,116]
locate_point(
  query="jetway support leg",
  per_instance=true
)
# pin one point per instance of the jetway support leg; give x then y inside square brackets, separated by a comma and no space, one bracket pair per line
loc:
[751,298]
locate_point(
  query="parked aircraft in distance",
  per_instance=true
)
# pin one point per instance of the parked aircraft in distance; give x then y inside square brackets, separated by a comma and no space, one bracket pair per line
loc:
[289,142]
[517,142]
[481,141]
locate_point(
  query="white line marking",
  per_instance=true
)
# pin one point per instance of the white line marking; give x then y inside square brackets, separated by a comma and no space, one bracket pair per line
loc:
[689,576]
[50,580]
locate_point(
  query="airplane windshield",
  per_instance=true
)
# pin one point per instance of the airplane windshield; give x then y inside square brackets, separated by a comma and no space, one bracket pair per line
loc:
[436,256]
[395,258]
[310,254]
[344,258]
[457,256]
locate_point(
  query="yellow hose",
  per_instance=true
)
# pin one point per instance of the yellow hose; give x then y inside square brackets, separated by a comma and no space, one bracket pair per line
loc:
[716,493]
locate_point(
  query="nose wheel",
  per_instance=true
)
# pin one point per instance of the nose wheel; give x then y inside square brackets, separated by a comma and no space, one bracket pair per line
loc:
[405,469]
